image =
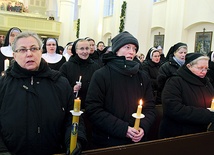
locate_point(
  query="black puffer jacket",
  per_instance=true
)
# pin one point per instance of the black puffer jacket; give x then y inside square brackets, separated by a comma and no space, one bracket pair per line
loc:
[185,100]
[35,113]
[113,96]
[165,71]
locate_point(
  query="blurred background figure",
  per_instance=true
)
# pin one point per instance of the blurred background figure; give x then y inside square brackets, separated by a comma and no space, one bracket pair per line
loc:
[6,50]
[140,57]
[100,46]
[67,53]
[174,59]
[61,49]
[93,52]
[151,66]
[52,55]
[162,57]
[2,40]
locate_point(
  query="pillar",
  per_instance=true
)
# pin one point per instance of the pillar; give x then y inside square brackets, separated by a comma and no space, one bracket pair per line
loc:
[66,17]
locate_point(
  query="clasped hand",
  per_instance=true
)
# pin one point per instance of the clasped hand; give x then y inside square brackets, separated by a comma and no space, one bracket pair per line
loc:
[135,135]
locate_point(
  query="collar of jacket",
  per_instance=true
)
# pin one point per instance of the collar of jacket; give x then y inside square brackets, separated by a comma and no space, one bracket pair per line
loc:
[123,66]
[43,71]
[188,76]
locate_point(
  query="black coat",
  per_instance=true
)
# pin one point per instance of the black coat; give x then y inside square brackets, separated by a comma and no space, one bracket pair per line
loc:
[151,69]
[76,67]
[113,96]
[165,71]
[35,113]
[185,100]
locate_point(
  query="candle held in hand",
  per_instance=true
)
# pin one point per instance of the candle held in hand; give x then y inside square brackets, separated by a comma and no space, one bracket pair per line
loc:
[80,78]
[138,115]
[75,124]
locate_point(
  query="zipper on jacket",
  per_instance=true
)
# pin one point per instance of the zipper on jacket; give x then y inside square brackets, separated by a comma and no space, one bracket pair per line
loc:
[31,82]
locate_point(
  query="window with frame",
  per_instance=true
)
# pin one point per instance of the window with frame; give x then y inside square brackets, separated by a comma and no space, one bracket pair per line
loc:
[108,8]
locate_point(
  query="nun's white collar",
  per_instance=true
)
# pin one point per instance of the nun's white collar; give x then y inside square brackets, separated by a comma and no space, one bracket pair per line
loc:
[52,57]
[7,51]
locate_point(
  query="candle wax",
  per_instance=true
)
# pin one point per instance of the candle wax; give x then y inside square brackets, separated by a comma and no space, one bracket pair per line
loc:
[77,104]
[137,123]
[139,109]
[6,64]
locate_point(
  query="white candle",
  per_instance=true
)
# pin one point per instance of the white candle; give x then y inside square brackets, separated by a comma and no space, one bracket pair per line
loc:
[80,78]
[6,64]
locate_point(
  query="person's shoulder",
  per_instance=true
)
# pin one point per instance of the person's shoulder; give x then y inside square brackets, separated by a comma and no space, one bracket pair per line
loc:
[59,78]
[102,71]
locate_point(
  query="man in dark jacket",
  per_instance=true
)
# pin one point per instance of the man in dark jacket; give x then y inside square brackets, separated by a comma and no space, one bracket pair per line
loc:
[35,104]
[114,93]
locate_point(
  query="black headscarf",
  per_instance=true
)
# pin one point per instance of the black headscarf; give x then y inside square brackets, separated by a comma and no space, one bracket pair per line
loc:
[173,49]
[73,49]
[150,52]
[6,42]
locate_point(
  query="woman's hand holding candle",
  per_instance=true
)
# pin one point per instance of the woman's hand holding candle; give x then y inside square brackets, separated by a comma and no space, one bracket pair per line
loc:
[135,135]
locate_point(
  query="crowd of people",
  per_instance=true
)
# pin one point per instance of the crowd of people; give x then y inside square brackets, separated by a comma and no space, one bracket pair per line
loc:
[41,82]
[13,6]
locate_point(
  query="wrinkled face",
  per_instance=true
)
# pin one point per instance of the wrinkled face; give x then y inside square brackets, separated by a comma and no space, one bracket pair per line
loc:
[13,34]
[156,57]
[200,68]
[51,46]
[128,50]
[29,59]
[180,54]
[92,46]
[83,49]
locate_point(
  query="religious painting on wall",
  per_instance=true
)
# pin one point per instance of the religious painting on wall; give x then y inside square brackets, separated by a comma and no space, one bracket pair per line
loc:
[203,41]
[158,40]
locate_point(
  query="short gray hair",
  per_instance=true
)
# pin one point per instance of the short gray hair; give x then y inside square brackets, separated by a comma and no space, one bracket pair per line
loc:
[25,35]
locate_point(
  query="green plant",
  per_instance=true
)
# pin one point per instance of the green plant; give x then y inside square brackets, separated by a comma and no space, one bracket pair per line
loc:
[122,16]
[78,28]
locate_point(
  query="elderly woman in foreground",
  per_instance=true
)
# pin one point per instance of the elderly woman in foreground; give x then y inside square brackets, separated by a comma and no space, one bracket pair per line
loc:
[186,97]
[35,104]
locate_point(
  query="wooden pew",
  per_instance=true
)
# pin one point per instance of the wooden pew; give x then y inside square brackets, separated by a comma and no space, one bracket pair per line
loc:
[193,144]
[153,134]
